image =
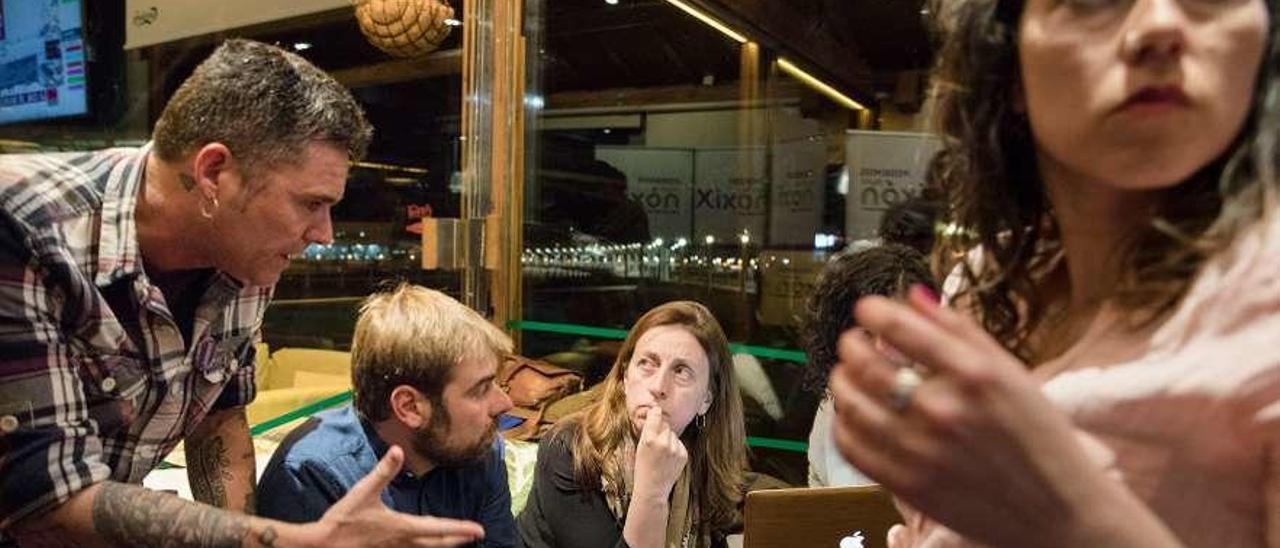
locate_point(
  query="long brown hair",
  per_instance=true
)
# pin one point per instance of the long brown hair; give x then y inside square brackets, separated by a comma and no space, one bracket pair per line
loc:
[987,167]
[717,449]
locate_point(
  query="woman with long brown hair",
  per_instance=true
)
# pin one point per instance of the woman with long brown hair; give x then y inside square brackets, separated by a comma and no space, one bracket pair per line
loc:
[1108,375]
[658,459]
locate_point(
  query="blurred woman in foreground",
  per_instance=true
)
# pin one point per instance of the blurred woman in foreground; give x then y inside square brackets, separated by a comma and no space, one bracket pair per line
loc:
[1108,375]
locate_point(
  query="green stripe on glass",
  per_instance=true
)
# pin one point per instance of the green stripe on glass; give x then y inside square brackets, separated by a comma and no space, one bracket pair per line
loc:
[619,334]
[769,352]
[569,329]
[300,413]
[773,443]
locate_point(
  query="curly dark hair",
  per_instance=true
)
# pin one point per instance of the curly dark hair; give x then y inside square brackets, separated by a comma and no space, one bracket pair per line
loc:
[911,223]
[987,167]
[887,270]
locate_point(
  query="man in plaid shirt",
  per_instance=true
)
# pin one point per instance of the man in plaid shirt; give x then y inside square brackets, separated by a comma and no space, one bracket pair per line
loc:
[132,282]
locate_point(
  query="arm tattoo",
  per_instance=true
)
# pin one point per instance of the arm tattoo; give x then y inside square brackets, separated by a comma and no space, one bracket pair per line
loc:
[128,515]
[207,469]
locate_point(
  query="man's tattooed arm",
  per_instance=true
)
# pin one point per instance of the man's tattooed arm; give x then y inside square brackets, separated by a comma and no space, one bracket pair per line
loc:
[220,461]
[128,515]
[207,471]
[118,514]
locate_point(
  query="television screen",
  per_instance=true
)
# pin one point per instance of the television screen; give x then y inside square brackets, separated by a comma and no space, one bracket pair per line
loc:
[43,70]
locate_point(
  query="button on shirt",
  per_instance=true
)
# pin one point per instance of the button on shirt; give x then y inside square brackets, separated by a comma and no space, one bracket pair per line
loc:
[95,381]
[320,461]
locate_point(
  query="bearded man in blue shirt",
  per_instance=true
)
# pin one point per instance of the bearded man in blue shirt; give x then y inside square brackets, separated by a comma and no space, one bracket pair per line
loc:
[424,370]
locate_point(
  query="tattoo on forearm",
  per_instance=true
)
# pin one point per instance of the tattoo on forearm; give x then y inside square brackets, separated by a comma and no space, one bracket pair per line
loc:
[250,504]
[128,515]
[207,464]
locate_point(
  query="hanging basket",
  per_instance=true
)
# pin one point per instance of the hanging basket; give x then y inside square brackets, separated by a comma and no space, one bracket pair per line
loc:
[405,28]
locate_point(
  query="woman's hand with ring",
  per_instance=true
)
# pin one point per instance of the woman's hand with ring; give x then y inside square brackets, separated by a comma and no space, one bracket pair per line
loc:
[975,444]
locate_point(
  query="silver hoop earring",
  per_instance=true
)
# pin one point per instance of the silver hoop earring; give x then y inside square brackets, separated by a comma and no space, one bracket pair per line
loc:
[204,211]
[702,421]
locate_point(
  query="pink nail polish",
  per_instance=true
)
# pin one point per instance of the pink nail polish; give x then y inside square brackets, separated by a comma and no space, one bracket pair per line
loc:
[926,292]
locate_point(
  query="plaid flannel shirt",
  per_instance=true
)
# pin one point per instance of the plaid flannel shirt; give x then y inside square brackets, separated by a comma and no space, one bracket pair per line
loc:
[96,382]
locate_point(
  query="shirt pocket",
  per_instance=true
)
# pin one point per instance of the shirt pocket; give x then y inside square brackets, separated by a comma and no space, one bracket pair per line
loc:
[114,387]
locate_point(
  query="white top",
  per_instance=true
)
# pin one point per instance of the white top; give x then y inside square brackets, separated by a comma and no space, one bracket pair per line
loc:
[826,467]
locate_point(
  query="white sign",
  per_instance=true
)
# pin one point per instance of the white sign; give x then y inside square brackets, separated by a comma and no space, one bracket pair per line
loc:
[796,204]
[883,168]
[661,181]
[151,22]
[729,193]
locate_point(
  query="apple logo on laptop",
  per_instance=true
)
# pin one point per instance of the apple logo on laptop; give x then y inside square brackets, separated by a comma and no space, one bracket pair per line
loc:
[852,541]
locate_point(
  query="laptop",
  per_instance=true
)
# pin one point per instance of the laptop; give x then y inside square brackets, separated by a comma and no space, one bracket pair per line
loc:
[818,517]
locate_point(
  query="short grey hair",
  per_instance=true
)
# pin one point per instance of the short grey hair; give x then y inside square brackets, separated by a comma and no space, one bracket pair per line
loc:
[265,104]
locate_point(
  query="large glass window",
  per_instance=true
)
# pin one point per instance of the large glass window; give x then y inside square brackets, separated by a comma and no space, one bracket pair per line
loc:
[712,152]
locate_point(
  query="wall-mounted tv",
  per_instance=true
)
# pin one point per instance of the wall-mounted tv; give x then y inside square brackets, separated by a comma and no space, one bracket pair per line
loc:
[44,61]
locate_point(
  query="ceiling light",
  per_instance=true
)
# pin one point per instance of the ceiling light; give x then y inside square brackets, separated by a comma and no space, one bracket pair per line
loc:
[818,85]
[710,21]
[301,46]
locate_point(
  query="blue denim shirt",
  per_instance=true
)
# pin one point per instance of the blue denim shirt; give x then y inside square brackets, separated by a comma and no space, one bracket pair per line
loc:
[324,458]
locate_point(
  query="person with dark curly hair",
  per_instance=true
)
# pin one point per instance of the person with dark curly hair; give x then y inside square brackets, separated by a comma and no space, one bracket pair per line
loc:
[1107,374]
[887,270]
[911,222]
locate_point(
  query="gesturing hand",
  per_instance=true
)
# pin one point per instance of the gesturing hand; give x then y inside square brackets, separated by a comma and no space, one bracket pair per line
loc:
[361,519]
